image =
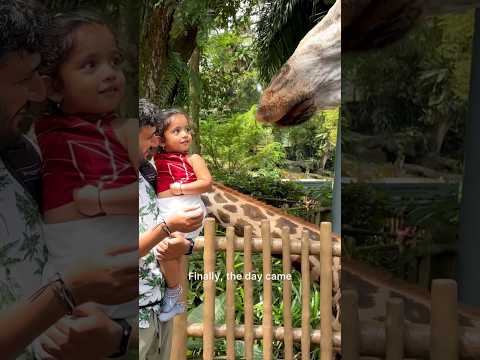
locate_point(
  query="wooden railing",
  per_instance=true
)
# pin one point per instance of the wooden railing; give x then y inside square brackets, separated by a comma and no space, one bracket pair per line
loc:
[328,339]
[397,339]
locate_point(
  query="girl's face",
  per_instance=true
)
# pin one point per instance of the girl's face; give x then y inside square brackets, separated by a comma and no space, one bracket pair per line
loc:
[91,81]
[178,135]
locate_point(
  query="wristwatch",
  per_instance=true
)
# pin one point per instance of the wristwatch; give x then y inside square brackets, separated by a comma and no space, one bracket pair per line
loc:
[190,247]
[126,331]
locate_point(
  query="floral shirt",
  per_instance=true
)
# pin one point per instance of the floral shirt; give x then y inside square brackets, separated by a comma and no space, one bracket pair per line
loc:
[22,249]
[151,282]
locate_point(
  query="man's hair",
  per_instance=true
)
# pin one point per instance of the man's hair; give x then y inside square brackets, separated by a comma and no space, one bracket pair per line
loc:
[148,113]
[22,26]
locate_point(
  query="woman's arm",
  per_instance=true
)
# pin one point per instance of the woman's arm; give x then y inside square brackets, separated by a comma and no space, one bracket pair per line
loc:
[203,182]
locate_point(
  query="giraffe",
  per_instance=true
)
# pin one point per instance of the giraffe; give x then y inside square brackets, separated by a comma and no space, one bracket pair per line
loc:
[310,80]
[232,208]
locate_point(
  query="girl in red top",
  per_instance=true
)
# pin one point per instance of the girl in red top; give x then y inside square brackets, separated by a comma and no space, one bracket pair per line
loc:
[90,155]
[181,179]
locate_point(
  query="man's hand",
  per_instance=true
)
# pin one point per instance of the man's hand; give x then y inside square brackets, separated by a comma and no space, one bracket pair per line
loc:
[89,335]
[108,279]
[171,248]
[186,220]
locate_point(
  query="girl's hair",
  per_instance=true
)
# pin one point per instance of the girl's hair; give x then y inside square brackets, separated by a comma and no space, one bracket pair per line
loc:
[59,40]
[165,119]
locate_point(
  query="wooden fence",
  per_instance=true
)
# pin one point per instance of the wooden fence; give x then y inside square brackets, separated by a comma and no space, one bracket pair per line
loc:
[325,337]
[396,339]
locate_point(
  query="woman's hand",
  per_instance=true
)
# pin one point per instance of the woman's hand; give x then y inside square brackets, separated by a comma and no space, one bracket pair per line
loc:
[171,248]
[111,278]
[185,220]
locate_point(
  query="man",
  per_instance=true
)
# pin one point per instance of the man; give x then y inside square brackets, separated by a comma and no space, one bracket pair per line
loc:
[155,337]
[22,249]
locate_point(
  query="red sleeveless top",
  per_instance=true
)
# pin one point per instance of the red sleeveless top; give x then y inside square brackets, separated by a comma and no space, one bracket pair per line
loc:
[77,151]
[173,167]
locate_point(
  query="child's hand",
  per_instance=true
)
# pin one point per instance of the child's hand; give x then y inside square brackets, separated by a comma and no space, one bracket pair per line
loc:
[87,200]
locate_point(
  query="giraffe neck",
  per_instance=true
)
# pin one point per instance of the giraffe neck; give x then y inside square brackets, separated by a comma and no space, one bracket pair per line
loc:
[232,208]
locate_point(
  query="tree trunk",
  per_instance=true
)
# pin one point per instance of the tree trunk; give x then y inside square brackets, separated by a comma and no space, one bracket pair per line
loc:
[195,96]
[154,54]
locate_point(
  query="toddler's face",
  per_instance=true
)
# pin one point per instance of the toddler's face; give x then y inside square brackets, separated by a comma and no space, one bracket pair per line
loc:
[91,80]
[178,135]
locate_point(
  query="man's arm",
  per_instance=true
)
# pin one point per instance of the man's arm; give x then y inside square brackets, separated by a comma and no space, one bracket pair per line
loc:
[185,220]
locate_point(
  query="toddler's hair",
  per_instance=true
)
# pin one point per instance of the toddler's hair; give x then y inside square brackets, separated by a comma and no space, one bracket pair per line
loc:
[165,118]
[59,40]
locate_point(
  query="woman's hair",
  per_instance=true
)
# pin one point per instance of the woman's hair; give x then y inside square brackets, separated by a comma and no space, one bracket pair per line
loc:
[59,40]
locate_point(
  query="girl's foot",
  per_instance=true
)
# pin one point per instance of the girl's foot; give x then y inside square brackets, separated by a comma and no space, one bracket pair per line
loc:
[177,309]
[172,296]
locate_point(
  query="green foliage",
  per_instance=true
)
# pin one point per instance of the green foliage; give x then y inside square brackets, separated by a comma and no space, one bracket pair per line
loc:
[195,302]
[314,139]
[239,144]
[229,75]
[419,81]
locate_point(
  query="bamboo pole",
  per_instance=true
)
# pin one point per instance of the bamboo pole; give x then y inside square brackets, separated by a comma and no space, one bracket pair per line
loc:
[287,295]
[230,301]
[179,336]
[209,288]
[350,326]
[267,291]
[248,307]
[444,320]
[277,245]
[326,284]
[197,329]
[305,297]
[394,328]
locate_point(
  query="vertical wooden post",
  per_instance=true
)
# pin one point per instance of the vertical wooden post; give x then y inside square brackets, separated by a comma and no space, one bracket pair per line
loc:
[287,295]
[209,288]
[179,336]
[267,291]
[350,326]
[305,342]
[394,330]
[326,285]
[230,301]
[444,321]
[248,269]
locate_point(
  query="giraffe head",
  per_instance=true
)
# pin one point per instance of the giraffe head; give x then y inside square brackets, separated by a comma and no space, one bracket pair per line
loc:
[310,79]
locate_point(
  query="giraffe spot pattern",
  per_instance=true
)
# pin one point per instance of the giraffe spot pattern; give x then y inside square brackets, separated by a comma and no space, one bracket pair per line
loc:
[252,212]
[281,222]
[219,199]
[231,208]
[205,200]
[224,217]
[240,226]
[230,197]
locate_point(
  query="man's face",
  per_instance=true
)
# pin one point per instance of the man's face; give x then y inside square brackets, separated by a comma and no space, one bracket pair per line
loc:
[147,140]
[20,83]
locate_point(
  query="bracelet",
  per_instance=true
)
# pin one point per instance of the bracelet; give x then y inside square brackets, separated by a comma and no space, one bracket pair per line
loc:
[100,208]
[165,227]
[61,292]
